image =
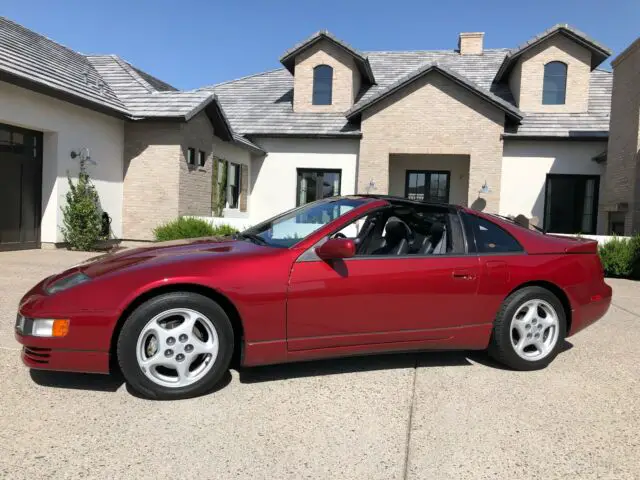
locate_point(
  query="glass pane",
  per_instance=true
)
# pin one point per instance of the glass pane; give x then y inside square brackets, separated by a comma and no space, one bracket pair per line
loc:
[18,138]
[492,238]
[555,69]
[5,137]
[587,216]
[322,85]
[330,185]
[231,174]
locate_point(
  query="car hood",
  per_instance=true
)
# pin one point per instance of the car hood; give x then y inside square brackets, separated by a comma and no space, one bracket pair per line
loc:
[170,252]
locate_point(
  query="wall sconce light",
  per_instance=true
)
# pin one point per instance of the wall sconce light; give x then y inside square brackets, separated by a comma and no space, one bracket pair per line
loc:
[485,188]
[82,153]
[371,186]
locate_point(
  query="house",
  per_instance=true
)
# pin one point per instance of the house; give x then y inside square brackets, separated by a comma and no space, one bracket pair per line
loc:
[519,131]
[621,193]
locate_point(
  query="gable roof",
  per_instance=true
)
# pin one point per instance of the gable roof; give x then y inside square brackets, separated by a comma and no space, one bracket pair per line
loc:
[105,83]
[289,57]
[598,51]
[402,82]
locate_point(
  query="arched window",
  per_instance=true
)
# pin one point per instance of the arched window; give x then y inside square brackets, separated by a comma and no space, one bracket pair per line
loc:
[322,85]
[554,86]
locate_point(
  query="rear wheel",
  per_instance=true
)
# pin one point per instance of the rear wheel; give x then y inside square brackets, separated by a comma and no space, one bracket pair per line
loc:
[529,329]
[177,345]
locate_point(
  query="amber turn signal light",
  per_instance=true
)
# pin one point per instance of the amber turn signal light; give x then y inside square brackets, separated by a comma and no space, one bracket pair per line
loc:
[60,328]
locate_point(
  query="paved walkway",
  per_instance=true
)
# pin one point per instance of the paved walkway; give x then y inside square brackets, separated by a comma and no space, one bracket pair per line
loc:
[422,416]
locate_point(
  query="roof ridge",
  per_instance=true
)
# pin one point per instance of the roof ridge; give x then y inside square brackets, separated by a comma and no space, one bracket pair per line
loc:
[241,78]
[130,70]
[443,50]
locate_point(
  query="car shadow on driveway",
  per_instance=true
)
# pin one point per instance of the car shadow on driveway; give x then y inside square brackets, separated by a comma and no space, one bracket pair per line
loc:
[367,363]
[78,381]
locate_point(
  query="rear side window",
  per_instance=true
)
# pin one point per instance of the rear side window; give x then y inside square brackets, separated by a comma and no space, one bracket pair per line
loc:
[490,238]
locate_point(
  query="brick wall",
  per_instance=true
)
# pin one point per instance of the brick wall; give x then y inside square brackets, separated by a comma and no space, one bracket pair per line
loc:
[195,181]
[151,177]
[530,70]
[345,88]
[433,115]
[622,175]
[470,43]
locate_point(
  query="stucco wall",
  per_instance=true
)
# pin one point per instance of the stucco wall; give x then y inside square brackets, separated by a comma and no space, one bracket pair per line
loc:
[345,86]
[433,115]
[458,165]
[67,127]
[274,177]
[530,68]
[525,166]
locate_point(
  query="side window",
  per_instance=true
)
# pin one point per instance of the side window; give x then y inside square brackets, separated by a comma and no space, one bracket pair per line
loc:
[490,238]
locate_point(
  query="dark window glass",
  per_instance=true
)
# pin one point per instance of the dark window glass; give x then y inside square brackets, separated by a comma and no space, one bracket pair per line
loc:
[571,204]
[322,85]
[490,238]
[233,185]
[554,86]
[429,186]
[616,223]
[202,158]
[191,156]
[315,185]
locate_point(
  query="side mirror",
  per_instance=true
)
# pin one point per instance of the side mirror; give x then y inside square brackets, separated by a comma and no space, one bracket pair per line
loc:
[335,248]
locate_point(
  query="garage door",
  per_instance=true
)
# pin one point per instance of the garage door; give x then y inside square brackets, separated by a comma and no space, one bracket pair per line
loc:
[20,188]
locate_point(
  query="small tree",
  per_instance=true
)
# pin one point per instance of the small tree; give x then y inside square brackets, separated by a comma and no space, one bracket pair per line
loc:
[81,217]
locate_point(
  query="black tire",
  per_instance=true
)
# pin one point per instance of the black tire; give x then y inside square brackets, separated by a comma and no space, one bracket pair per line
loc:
[501,348]
[138,319]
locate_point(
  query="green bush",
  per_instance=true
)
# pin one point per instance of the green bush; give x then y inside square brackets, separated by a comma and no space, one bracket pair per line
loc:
[620,257]
[81,216]
[187,227]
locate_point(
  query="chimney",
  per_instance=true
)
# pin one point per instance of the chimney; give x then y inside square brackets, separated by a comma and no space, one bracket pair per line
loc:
[470,43]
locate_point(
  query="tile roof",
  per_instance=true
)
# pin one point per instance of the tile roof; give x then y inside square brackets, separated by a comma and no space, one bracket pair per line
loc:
[261,104]
[26,56]
[103,82]
[423,70]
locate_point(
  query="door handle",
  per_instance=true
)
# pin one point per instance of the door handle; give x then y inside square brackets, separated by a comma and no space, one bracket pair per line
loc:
[463,275]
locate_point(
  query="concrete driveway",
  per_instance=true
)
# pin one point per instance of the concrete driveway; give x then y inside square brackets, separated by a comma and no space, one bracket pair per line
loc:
[428,416]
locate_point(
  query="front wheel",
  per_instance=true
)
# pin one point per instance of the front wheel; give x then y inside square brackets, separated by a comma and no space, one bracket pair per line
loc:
[529,329]
[176,345]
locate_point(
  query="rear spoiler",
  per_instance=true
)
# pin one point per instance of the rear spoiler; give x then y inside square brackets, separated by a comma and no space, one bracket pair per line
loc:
[578,244]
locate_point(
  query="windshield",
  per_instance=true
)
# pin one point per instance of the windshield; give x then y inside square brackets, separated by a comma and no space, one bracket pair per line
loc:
[290,227]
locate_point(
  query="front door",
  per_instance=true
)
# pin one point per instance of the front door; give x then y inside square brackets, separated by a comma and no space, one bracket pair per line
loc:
[20,188]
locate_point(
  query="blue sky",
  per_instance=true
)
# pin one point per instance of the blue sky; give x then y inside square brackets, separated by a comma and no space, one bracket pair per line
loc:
[192,43]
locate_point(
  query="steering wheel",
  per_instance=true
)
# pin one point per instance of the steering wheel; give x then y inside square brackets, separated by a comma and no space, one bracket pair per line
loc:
[339,235]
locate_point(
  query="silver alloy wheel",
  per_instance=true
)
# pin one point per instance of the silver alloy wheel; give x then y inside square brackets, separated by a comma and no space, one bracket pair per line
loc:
[177,347]
[534,330]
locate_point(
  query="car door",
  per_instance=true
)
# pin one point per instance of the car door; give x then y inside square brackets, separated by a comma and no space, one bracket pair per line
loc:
[377,300]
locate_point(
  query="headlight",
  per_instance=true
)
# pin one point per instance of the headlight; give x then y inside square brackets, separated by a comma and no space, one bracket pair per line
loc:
[67,282]
[42,327]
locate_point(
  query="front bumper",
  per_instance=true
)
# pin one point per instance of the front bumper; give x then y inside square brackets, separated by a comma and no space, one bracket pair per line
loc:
[43,358]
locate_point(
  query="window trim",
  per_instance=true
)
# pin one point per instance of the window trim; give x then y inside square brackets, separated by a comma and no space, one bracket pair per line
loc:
[317,170]
[317,70]
[596,199]
[428,173]
[544,81]
[191,156]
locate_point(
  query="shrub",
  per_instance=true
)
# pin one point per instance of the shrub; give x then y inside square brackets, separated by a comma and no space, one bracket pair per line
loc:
[187,227]
[621,257]
[81,216]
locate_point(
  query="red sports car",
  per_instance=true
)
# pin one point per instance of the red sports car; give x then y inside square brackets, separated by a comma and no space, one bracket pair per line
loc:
[340,276]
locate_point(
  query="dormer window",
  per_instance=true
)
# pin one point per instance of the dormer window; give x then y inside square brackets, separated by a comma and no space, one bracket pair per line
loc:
[322,85]
[554,87]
